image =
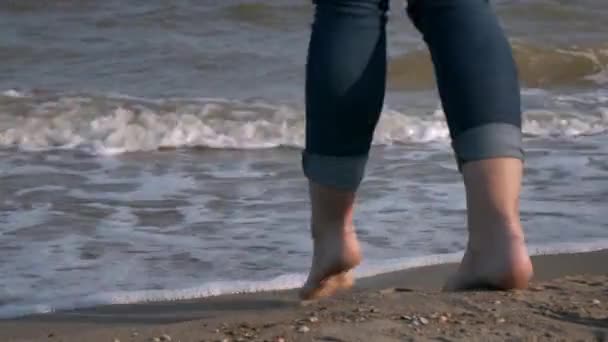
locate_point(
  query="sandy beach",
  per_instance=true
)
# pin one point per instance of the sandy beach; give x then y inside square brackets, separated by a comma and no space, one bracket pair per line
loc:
[152,185]
[566,302]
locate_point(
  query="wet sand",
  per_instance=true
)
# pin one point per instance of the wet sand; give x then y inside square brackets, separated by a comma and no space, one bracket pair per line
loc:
[566,302]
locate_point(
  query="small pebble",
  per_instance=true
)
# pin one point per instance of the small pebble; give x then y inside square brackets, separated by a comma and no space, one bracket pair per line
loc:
[155,339]
[501,320]
[424,321]
[596,302]
[303,329]
[165,338]
[280,339]
[497,302]
[406,318]
[135,334]
[307,303]
[116,340]
[313,319]
[387,291]
[443,319]
[374,310]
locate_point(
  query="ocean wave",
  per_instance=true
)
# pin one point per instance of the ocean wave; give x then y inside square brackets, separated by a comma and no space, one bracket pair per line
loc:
[538,66]
[119,124]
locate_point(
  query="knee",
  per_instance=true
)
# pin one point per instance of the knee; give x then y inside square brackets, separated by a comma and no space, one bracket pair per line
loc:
[354,7]
[432,12]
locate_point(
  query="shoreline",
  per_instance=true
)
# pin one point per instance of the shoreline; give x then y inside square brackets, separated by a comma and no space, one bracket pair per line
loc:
[187,318]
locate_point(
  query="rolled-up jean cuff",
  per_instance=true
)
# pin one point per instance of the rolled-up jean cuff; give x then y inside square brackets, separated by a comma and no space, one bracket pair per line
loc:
[344,173]
[488,141]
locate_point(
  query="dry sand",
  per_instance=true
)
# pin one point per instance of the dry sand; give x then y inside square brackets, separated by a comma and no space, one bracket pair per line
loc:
[568,301]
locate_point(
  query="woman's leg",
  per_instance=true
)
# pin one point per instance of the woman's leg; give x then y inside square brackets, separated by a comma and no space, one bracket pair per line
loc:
[345,85]
[478,86]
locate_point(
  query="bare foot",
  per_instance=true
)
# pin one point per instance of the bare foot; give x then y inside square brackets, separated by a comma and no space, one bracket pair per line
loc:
[502,264]
[333,259]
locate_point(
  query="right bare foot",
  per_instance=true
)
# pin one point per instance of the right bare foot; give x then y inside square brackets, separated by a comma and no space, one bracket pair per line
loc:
[334,256]
[500,263]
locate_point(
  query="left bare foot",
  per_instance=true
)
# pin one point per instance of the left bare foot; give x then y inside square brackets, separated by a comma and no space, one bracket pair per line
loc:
[335,255]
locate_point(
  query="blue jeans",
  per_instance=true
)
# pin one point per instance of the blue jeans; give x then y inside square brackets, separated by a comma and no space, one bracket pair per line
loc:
[346,79]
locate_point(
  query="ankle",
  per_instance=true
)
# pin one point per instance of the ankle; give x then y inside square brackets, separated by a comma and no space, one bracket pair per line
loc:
[488,236]
[332,229]
[332,211]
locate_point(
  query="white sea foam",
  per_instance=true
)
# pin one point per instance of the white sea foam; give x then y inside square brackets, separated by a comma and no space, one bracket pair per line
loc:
[50,303]
[112,125]
[13,93]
